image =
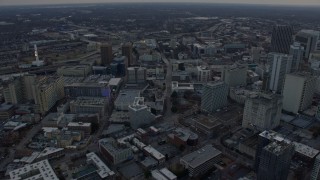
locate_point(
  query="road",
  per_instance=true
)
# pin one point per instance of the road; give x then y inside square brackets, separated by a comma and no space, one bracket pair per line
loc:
[168,85]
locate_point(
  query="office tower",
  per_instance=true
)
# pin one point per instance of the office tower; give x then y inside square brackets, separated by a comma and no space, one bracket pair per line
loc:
[136,75]
[296,51]
[298,92]
[275,159]
[281,39]
[139,113]
[47,90]
[279,67]
[127,51]
[235,75]
[315,169]
[204,74]
[308,39]
[262,111]
[214,96]
[106,54]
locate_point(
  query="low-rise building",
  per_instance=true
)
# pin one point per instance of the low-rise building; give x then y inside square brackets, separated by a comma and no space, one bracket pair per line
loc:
[89,105]
[155,154]
[113,151]
[80,126]
[102,169]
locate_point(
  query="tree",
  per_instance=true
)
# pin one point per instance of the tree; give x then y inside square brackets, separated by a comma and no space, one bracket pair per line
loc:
[174,95]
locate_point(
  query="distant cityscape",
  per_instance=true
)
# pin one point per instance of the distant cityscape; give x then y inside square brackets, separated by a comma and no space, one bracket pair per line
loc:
[159,91]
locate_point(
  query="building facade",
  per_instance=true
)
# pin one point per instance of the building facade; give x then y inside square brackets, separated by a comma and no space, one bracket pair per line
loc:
[235,75]
[106,54]
[296,51]
[308,39]
[282,38]
[214,96]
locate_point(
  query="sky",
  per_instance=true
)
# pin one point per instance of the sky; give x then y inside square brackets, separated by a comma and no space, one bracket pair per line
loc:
[285,2]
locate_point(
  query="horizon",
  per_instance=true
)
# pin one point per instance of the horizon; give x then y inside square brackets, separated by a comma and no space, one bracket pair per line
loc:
[6,3]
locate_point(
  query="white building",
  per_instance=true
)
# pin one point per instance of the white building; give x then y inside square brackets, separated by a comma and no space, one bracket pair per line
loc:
[262,111]
[38,170]
[214,96]
[279,67]
[139,113]
[298,92]
[235,75]
[296,51]
[204,74]
[102,169]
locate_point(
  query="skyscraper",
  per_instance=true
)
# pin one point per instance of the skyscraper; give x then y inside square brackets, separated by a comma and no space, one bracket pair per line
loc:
[308,39]
[106,54]
[282,38]
[214,96]
[279,66]
[296,51]
[298,91]
[262,112]
[275,160]
[127,51]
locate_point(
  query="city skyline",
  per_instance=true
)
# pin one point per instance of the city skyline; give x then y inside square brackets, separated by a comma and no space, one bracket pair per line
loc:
[270,2]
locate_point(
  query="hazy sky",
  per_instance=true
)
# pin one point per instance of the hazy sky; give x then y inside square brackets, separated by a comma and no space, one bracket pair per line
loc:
[289,2]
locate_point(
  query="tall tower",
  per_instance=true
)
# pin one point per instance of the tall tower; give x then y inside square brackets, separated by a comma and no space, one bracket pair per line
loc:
[106,54]
[308,39]
[282,38]
[296,51]
[127,51]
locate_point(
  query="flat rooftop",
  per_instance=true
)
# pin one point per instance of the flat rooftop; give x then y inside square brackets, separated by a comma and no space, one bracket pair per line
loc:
[200,156]
[103,170]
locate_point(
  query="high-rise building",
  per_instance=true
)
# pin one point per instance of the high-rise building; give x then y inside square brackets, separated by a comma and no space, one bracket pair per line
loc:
[275,159]
[298,91]
[308,39]
[204,74]
[214,96]
[127,51]
[106,54]
[139,113]
[282,38]
[279,67]
[315,169]
[262,111]
[136,75]
[235,75]
[296,51]
[47,90]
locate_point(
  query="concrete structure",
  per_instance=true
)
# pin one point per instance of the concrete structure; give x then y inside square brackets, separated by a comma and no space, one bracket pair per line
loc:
[113,151]
[38,170]
[262,111]
[125,98]
[74,71]
[180,88]
[163,174]
[47,91]
[200,161]
[102,169]
[298,92]
[214,96]
[89,105]
[235,75]
[127,51]
[279,66]
[275,159]
[136,75]
[204,74]
[149,150]
[106,54]
[282,38]
[315,169]
[296,51]
[308,39]
[80,126]
[139,113]
[87,89]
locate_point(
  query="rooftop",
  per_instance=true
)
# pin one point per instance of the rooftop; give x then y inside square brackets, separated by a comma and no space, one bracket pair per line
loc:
[103,169]
[200,156]
[156,154]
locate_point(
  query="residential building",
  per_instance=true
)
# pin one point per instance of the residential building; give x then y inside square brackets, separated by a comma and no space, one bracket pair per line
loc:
[308,39]
[296,51]
[204,74]
[201,161]
[139,113]
[298,92]
[113,151]
[282,38]
[275,159]
[214,96]
[89,105]
[279,67]
[235,75]
[106,54]
[262,111]
[38,170]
